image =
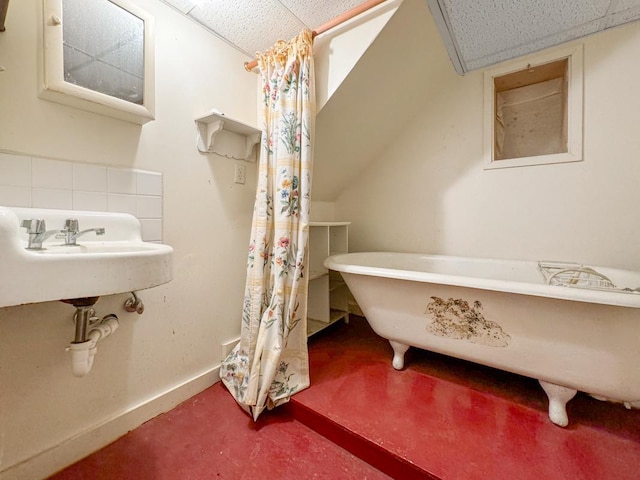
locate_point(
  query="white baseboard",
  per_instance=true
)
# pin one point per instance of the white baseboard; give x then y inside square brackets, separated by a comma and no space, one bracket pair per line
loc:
[79,446]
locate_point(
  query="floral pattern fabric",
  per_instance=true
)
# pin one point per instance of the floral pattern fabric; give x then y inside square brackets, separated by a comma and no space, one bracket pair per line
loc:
[271,362]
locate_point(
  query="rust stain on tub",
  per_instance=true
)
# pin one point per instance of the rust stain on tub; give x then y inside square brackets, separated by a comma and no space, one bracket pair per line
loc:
[455,318]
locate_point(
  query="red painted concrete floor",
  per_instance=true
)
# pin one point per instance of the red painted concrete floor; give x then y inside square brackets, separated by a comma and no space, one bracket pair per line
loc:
[440,418]
[210,437]
[450,419]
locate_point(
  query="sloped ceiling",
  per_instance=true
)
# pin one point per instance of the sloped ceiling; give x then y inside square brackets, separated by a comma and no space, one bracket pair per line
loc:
[479,33]
[376,99]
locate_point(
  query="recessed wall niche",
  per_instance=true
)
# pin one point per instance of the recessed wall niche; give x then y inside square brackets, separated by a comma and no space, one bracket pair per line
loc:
[533,110]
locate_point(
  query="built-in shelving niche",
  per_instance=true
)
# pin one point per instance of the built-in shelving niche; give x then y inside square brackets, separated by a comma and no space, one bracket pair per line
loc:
[328,294]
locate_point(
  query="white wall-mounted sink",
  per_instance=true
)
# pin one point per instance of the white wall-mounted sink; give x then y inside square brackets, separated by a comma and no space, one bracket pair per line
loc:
[116,262]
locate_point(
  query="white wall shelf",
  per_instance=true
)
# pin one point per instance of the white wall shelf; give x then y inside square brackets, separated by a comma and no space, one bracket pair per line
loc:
[328,294]
[217,133]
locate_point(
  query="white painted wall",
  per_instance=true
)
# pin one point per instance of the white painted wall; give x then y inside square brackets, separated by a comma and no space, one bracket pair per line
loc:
[48,418]
[428,192]
[374,100]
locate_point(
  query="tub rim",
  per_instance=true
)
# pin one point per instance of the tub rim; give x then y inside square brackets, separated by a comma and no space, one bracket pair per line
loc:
[340,263]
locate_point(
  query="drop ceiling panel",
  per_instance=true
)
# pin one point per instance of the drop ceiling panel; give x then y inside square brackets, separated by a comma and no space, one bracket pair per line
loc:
[624,16]
[318,12]
[183,5]
[533,46]
[483,27]
[479,33]
[248,25]
[253,26]
[622,5]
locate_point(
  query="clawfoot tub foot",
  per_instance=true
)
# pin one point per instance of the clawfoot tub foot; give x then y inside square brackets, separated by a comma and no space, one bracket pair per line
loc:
[558,398]
[399,349]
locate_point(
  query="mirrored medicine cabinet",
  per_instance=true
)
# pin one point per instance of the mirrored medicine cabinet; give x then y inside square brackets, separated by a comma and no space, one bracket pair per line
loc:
[98,55]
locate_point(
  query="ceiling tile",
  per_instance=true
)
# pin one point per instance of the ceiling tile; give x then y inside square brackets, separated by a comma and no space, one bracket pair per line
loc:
[483,27]
[540,44]
[183,5]
[315,13]
[254,27]
[624,16]
[622,5]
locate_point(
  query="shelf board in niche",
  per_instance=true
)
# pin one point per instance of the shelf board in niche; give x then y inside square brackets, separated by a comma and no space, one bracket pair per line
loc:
[328,294]
[314,326]
[314,275]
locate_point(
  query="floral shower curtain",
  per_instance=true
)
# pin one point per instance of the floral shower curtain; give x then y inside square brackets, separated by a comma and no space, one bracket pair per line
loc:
[271,363]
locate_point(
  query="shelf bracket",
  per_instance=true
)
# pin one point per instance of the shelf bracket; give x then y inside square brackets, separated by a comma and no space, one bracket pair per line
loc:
[251,141]
[207,133]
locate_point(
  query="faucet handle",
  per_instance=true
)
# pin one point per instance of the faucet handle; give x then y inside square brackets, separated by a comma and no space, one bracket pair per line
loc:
[71,225]
[34,225]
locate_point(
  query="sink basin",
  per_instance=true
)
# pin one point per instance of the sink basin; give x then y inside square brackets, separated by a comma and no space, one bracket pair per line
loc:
[116,262]
[98,247]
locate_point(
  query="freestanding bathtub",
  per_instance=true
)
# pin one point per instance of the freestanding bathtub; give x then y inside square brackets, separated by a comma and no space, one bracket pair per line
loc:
[504,314]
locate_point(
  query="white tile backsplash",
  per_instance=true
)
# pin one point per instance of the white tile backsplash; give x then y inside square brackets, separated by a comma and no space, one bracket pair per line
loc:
[117,202]
[15,170]
[48,183]
[89,178]
[15,196]
[93,201]
[121,181]
[151,230]
[51,174]
[52,198]
[149,183]
[149,207]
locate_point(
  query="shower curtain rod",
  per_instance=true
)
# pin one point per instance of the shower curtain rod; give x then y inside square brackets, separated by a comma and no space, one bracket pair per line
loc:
[348,15]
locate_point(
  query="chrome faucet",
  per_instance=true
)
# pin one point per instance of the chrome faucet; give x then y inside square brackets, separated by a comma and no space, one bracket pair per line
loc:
[71,231]
[38,233]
